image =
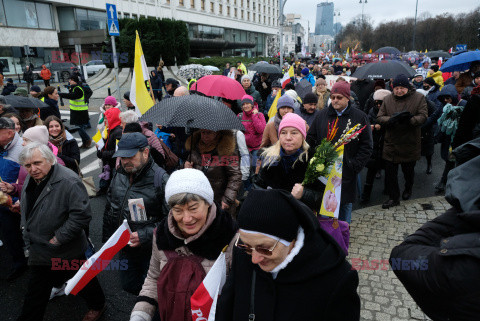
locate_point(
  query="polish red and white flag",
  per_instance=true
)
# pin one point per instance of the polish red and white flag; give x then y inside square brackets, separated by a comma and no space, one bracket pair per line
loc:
[100,260]
[204,300]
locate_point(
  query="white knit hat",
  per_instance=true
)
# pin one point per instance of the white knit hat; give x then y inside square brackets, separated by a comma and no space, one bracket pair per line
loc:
[37,134]
[189,180]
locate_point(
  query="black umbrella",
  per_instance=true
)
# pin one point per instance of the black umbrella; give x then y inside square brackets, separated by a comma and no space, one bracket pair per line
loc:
[388,50]
[438,54]
[262,67]
[24,102]
[193,111]
[384,69]
[303,87]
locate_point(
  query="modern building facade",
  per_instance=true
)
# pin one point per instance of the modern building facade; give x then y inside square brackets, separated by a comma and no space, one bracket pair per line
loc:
[324,19]
[216,27]
[293,33]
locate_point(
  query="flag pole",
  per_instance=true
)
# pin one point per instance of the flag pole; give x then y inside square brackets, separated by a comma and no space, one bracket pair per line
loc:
[151,90]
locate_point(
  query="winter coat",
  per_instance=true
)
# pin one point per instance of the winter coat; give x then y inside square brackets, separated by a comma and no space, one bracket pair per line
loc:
[363,88]
[51,110]
[283,174]
[155,80]
[356,153]
[417,85]
[224,176]
[45,74]
[28,76]
[270,135]
[428,137]
[316,284]
[310,79]
[8,89]
[67,222]
[448,285]
[469,120]
[254,126]
[142,186]
[309,118]
[107,151]
[403,141]
[437,76]
[256,97]
[264,92]
[217,221]
[70,154]
[77,117]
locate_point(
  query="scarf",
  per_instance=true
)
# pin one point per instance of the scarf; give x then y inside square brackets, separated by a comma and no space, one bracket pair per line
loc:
[277,120]
[476,90]
[209,244]
[289,160]
[58,141]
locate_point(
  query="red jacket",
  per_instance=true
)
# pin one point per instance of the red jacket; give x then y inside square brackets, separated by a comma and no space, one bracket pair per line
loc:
[45,74]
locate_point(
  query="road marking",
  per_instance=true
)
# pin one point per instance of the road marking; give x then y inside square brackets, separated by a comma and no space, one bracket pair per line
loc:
[91,167]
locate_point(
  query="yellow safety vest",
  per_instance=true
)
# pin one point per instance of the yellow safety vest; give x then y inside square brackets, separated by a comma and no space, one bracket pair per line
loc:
[78,104]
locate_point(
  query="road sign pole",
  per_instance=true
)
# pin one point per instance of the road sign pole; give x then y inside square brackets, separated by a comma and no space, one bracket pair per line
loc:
[115,66]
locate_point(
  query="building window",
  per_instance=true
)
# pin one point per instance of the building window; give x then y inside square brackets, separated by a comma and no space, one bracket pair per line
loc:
[248,16]
[254,17]
[242,14]
[203,5]
[236,14]
[26,14]
[235,2]
[220,9]
[192,3]
[180,3]
[264,20]
[211,7]
[168,1]
[241,3]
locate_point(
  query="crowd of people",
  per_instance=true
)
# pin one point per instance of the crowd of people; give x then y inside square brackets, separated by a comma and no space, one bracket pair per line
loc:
[192,209]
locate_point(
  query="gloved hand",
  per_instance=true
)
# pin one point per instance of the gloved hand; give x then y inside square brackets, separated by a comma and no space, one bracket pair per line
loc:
[140,316]
[264,85]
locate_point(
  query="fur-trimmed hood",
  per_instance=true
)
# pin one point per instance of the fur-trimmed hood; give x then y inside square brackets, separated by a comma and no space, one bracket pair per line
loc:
[226,143]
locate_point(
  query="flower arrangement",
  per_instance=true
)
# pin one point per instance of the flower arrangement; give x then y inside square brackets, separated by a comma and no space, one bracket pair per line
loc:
[327,152]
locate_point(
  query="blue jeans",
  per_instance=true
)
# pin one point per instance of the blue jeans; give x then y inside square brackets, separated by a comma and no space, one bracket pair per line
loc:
[345,212]
[83,134]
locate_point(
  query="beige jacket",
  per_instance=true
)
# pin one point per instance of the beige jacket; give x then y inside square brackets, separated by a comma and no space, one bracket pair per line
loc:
[145,310]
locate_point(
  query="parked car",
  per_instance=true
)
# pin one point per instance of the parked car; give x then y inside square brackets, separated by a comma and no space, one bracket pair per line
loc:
[94,66]
[64,68]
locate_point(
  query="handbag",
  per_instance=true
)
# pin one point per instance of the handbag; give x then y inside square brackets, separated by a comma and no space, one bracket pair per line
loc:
[87,182]
[339,230]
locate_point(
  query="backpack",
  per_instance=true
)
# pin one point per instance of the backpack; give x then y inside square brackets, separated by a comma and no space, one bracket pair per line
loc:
[87,91]
[177,282]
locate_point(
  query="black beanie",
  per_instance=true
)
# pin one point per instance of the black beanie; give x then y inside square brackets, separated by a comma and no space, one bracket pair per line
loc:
[401,81]
[430,81]
[271,212]
[310,98]
[132,128]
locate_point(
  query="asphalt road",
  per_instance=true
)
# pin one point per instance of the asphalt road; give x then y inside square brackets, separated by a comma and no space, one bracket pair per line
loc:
[119,302]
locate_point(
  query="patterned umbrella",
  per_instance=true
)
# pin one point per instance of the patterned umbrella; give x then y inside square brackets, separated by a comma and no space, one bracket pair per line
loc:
[193,111]
[193,71]
[219,86]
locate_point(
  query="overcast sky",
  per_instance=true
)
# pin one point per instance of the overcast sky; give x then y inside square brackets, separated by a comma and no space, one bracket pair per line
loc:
[379,10]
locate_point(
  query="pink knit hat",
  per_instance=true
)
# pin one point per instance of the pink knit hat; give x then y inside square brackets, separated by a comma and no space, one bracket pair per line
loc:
[293,120]
[110,100]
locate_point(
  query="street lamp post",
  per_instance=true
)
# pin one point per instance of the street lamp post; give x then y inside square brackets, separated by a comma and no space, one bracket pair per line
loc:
[363,2]
[336,14]
[415,27]
[282,5]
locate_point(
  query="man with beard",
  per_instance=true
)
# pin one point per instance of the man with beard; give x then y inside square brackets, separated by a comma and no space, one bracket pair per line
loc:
[136,194]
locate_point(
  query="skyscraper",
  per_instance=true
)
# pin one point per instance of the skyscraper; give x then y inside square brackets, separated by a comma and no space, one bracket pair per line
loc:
[324,20]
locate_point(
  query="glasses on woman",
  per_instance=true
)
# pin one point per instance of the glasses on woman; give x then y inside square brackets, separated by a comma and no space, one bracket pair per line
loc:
[378,102]
[260,250]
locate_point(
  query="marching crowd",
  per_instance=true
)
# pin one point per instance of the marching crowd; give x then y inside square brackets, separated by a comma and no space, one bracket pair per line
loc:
[281,264]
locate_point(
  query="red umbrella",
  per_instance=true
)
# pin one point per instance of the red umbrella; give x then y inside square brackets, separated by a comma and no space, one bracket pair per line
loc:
[219,86]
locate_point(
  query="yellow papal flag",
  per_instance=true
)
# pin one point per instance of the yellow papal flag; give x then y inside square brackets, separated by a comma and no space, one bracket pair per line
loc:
[370,51]
[273,108]
[139,95]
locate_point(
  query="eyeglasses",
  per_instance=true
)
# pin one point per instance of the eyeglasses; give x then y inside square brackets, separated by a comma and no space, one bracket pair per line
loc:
[334,97]
[378,102]
[260,250]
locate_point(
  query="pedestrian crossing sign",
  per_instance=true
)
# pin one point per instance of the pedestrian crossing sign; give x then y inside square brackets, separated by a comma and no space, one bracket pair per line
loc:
[113,28]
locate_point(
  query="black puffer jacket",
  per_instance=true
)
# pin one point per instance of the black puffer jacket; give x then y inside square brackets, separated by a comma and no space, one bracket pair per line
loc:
[149,184]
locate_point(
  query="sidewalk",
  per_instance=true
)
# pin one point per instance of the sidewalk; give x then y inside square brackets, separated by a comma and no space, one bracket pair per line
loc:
[374,233]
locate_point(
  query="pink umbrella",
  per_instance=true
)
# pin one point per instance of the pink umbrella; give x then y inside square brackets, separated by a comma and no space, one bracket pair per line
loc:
[219,86]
